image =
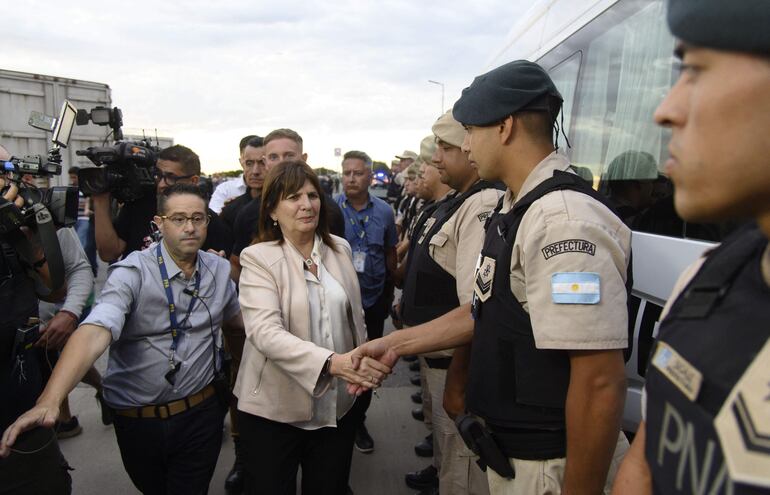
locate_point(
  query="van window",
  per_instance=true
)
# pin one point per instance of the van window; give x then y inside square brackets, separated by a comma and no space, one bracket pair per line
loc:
[625,66]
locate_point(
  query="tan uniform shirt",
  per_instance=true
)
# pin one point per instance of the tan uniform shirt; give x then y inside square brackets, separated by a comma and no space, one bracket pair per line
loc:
[565,232]
[457,244]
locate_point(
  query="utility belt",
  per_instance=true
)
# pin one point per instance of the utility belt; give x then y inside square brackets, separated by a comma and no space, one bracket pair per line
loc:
[173,408]
[496,445]
[438,363]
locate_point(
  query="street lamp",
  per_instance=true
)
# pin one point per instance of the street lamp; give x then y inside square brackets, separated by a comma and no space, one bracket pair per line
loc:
[442,93]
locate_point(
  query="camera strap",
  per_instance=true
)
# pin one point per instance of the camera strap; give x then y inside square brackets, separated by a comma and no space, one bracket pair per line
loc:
[46,232]
[176,328]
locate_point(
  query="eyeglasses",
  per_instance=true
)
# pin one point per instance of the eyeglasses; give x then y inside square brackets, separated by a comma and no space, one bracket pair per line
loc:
[181,220]
[169,178]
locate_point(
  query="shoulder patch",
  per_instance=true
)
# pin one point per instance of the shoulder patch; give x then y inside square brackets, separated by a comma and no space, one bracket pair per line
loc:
[576,288]
[743,424]
[484,215]
[569,246]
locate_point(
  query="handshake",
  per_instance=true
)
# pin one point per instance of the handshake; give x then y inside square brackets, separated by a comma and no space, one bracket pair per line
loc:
[365,367]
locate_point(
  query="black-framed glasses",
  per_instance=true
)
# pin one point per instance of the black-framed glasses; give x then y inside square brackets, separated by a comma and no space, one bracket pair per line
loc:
[197,220]
[168,177]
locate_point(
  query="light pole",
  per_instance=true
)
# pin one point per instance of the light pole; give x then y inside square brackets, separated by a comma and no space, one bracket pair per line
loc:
[442,93]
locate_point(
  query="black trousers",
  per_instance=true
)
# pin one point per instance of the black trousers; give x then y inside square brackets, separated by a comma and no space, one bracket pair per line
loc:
[374,317]
[176,455]
[273,452]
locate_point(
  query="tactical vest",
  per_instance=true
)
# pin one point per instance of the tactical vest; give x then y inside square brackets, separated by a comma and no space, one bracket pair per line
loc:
[519,390]
[700,417]
[429,291]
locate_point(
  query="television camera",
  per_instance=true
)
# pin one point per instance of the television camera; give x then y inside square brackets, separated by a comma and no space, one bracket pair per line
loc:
[124,169]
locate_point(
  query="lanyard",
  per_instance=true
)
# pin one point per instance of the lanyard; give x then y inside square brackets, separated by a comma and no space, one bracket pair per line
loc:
[175,328]
[360,230]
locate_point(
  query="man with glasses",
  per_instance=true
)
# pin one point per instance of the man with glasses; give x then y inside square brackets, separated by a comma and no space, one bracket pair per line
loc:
[161,313]
[132,229]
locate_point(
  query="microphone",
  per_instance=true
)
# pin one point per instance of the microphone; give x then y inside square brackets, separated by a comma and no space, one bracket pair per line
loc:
[189,292]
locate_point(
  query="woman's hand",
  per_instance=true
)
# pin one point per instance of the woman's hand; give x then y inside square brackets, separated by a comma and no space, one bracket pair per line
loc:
[359,370]
[378,351]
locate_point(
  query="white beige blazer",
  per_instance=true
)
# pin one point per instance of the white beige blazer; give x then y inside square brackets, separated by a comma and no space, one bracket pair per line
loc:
[280,366]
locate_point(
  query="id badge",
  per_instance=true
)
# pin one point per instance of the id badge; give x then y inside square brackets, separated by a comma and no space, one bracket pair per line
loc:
[359,261]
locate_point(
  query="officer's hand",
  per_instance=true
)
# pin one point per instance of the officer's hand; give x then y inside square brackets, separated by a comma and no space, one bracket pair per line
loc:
[39,415]
[359,370]
[220,253]
[454,403]
[56,332]
[377,349]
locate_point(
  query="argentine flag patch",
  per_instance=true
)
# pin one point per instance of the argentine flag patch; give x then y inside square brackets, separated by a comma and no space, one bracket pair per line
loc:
[576,288]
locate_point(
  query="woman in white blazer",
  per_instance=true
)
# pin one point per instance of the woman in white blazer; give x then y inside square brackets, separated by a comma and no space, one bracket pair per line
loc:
[302,311]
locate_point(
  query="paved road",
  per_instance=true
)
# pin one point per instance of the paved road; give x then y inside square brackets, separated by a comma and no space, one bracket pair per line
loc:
[98,469]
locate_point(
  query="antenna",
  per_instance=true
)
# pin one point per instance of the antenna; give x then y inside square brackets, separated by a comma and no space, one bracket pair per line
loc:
[157,141]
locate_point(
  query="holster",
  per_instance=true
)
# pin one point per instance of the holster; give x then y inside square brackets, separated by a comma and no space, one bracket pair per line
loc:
[479,439]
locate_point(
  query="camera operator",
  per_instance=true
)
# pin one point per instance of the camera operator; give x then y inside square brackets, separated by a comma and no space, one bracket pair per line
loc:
[161,313]
[35,464]
[132,229]
[59,321]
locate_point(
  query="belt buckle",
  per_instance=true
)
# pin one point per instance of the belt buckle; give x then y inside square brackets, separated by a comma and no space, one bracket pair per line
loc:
[160,408]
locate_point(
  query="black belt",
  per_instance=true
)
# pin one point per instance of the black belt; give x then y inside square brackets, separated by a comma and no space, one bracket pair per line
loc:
[438,363]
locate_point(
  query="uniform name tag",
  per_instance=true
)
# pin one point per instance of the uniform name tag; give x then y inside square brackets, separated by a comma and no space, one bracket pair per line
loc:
[677,369]
[576,288]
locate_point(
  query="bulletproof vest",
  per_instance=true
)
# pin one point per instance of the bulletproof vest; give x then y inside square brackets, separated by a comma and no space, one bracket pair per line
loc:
[519,390]
[429,291]
[705,421]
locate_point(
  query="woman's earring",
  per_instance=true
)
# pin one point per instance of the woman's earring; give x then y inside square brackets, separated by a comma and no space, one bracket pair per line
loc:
[275,223]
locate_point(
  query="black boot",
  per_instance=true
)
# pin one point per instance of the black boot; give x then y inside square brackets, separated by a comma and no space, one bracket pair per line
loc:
[234,480]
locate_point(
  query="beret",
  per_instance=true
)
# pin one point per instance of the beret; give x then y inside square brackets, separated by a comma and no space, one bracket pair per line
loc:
[407,155]
[427,148]
[510,88]
[734,25]
[449,130]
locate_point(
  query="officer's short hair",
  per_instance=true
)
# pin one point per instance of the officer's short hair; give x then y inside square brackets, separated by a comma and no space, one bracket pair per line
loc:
[176,189]
[358,155]
[191,164]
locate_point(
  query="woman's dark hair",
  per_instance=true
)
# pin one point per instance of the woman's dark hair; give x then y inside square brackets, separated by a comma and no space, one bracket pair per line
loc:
[285,179]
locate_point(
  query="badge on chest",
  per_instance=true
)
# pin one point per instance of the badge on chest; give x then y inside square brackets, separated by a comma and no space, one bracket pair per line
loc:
[485,274]
[743,424]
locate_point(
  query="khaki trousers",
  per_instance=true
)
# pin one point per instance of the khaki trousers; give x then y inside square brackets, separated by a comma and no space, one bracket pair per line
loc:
[458,472]
[546,477]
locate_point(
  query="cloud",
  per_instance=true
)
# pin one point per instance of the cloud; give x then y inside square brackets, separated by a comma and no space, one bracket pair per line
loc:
[349,74]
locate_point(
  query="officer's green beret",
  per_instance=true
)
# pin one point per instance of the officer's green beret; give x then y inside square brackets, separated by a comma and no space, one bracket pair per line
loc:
[510,88]
[733,25]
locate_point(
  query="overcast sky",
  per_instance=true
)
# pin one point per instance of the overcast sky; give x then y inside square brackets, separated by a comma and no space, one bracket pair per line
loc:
[344,74]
